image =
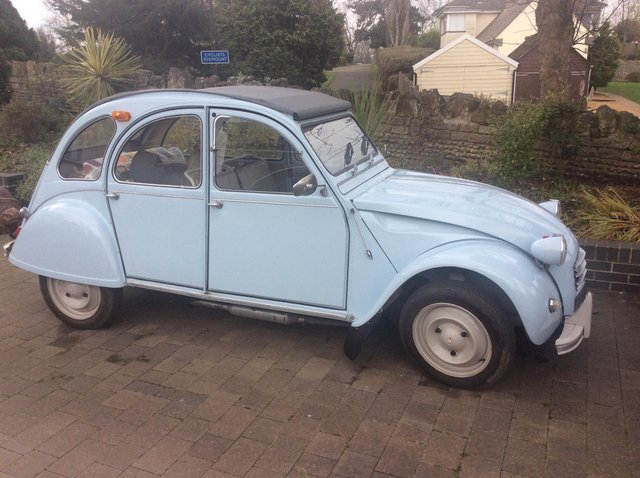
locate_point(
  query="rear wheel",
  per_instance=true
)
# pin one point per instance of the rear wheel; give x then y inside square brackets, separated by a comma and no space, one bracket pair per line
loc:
[458,334]
[79,305]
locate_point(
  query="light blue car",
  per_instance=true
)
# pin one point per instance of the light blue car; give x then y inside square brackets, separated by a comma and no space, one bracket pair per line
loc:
[272,203]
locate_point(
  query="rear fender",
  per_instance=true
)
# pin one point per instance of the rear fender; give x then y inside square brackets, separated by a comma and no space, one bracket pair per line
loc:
[528,285]
[70,238]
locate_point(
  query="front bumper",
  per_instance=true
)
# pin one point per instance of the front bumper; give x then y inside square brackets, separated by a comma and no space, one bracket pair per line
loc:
[6,249]
[576,327]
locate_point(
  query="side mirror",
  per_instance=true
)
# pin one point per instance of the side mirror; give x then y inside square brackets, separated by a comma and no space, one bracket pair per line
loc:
[306,186]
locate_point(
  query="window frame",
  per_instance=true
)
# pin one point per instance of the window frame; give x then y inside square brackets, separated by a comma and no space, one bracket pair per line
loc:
[73,140]
[137,131]
[449,22]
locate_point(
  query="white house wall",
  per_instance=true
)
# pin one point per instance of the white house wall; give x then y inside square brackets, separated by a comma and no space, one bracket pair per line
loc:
[467,68]
[522,27]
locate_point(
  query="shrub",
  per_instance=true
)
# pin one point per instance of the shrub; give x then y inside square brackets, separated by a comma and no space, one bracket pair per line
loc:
[514,136]
[634,76]
[36,157]
[607,215]
[392,61]
[26,121]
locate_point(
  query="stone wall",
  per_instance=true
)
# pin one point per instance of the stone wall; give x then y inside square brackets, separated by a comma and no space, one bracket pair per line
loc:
[429,128]
[42,80]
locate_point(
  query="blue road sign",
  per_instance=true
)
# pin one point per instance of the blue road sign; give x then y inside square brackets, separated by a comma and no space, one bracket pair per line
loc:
[214,57]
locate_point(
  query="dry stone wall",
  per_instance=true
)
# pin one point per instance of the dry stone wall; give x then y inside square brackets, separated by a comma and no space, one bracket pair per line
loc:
[42,80]
[428,128]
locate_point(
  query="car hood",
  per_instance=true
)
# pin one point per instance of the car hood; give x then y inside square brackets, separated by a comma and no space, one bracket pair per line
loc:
[480,207]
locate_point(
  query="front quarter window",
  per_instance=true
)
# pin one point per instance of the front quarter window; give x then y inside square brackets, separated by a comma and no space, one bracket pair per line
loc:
[83,158]
[340,144]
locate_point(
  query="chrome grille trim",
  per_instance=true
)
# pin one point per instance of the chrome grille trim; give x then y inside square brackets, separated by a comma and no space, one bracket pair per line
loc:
[580,274]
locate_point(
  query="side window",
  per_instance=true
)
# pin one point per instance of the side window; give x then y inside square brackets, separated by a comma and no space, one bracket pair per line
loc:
[166,152]
[251,156]
[84,157]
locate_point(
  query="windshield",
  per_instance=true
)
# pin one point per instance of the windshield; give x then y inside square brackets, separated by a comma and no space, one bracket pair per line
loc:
[340,144]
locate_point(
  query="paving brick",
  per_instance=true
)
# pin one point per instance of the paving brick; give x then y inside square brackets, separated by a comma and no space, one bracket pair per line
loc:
[352,464]
[67,439]
[371,437]
[209,447]
[282,454]
[327,445]
[31,464]
[215,406]
[312,465]
[400,458]
[524,458]
[233,422]
[240,457]
[444,449]
[188,467]
[263,430]
[162,455]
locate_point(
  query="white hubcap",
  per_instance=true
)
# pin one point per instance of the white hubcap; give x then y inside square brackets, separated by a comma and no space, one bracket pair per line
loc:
[452,340]
[77,301]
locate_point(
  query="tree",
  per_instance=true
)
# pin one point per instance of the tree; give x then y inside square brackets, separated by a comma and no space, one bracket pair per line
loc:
[17,40]
[386,23]
[296,39]
[603,56]
[429,39]
[163,33]
[95,68]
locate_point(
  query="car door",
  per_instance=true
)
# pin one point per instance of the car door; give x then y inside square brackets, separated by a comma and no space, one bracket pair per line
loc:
[157,199]
[264,242]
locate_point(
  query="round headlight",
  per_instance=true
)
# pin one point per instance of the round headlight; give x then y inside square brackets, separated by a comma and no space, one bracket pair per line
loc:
[550,250]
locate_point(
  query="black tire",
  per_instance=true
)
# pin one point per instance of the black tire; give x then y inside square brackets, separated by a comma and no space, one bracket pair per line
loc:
[457,333]
[78,305]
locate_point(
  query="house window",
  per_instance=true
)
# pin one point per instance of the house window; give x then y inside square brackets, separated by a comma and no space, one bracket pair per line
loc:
[455,22]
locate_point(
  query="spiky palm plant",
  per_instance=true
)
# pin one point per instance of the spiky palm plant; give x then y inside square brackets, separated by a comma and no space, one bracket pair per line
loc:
[371,106]
[95,67]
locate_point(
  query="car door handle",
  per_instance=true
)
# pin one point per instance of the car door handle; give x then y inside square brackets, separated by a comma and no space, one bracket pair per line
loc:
[113,195]
[216,204]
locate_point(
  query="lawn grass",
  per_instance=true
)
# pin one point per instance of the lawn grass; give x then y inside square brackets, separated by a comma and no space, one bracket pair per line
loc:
[331,75]
[628,89]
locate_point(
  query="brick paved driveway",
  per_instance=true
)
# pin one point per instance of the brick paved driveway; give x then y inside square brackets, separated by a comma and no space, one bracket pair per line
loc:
[176,390]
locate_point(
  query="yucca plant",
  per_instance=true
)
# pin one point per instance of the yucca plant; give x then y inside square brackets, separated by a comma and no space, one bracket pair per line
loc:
[370,106]
[606,215]
[95,67]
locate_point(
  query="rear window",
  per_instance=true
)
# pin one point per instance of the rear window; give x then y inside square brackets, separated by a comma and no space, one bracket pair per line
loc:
[84,157]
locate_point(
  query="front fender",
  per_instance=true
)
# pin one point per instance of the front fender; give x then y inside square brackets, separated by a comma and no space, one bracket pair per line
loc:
[528,285]
[69,238]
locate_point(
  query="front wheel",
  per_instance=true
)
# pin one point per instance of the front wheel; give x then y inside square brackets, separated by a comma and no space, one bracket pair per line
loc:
[79,305]
[460,336]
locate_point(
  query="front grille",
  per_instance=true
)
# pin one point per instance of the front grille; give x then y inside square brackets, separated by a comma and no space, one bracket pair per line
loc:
[580,274]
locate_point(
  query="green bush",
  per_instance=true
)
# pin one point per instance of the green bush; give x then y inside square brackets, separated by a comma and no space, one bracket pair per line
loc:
[5,73]
[37,157]
[516,134]
[27,160]
[27,121]
[514,137]
[392,61]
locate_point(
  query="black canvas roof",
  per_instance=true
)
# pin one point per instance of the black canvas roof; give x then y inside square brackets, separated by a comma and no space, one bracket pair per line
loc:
[301,104]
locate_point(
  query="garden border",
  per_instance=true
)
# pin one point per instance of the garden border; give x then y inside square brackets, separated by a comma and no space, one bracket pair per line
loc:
[612,265]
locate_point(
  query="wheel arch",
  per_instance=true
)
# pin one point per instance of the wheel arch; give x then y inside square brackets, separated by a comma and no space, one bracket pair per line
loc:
[71,238]
[513,278]
[440,274]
